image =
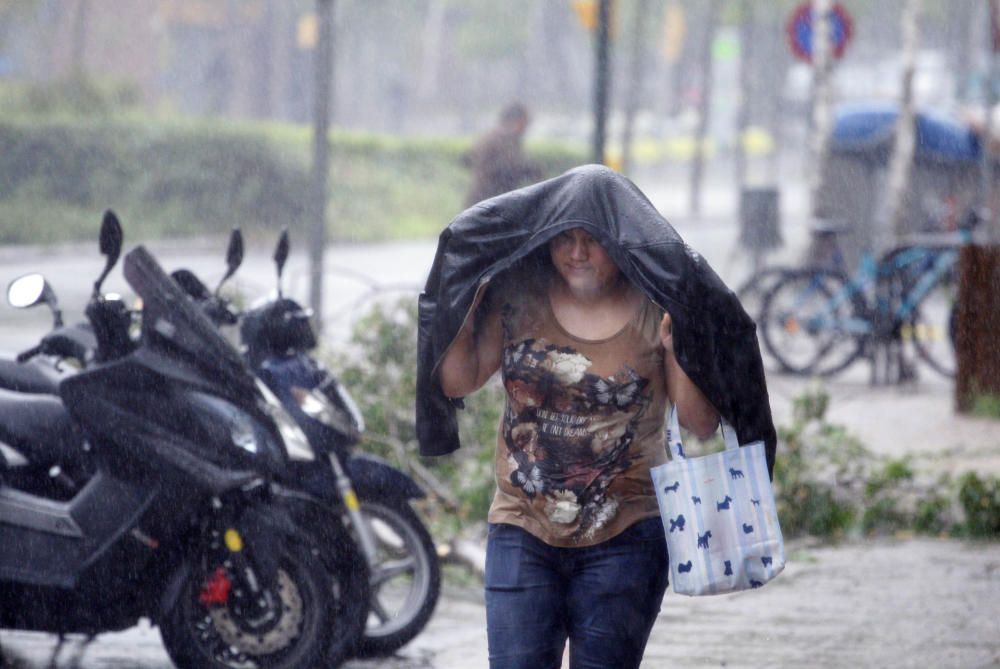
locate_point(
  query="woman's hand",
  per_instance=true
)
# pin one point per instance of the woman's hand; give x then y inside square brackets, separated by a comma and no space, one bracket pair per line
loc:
[475,353]
[696,413]
[667,334]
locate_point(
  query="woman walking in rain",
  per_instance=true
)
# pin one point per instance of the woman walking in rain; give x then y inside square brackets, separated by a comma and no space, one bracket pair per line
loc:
[588,360]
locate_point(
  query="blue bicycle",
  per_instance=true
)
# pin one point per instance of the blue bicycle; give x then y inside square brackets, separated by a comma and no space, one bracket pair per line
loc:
[817,321]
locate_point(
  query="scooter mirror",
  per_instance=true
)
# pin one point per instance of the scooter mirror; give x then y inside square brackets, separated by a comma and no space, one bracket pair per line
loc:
[31,290]
[110,244]
[27,291]
[234,256]
[281,255]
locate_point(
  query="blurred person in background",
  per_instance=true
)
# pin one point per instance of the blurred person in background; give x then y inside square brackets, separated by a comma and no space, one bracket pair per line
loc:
[497,161]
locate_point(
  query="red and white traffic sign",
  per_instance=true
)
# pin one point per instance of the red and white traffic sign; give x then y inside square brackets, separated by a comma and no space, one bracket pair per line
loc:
[800,30]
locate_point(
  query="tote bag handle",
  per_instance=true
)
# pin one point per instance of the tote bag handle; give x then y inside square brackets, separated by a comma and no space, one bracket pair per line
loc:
[674,444]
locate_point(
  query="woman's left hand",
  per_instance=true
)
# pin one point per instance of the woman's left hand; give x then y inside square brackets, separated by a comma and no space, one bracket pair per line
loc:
[667,333]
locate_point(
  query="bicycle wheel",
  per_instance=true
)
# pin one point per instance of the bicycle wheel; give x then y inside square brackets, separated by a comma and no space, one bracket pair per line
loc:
[752,292]
[931,328]
[812,323]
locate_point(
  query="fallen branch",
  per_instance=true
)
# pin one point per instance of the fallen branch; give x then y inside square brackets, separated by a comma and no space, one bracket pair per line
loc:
[468,553]
[426,477]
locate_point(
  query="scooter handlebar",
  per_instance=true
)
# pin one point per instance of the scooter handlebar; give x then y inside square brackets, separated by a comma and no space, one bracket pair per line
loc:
[25,356]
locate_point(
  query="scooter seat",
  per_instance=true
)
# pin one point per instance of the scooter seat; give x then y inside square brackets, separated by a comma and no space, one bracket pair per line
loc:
[33,376]
[39,428]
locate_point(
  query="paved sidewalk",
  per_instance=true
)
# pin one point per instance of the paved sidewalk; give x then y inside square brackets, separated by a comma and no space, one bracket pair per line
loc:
[887,604]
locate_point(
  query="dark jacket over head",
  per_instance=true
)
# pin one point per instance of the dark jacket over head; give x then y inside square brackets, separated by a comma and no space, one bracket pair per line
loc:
[714,339]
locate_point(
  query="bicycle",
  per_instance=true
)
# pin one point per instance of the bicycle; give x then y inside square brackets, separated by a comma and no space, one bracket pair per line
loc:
[817,321]
[824,252]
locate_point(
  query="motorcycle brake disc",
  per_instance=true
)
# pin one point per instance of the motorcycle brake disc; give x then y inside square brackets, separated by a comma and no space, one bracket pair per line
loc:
[289,624]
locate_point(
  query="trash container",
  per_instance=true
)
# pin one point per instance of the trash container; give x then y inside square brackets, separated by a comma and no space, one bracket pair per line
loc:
[759,220]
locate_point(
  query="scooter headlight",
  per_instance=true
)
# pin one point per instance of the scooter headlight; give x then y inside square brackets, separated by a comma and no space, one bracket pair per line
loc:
[330,405]
[296,443]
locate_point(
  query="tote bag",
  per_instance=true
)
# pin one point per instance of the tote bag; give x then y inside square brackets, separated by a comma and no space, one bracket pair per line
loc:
[719,516]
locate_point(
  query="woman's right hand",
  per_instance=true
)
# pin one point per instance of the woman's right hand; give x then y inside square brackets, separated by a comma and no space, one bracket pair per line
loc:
[475,353]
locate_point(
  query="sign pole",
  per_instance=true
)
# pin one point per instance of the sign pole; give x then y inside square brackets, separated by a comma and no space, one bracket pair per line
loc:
[602,77]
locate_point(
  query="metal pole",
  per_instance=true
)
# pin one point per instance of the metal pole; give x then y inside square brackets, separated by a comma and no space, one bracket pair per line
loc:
[821,116]
[602,77]
[321,154]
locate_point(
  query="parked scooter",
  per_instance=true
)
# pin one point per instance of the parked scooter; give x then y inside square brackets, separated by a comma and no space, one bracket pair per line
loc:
[181,521]
[59,468]
[277,337]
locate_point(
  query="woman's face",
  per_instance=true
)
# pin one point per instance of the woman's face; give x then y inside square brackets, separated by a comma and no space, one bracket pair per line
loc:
[582,262]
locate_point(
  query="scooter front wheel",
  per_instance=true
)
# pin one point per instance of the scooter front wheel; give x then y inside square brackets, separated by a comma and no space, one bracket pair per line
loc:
[405,581]
[212,625]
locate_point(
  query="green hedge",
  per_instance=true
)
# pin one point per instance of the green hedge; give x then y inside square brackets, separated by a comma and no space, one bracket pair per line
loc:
[171,178]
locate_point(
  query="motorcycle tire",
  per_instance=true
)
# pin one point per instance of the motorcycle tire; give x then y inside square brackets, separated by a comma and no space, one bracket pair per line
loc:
[199,636]
[406,581]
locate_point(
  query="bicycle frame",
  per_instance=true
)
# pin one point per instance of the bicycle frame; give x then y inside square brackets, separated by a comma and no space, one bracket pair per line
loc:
[879,305]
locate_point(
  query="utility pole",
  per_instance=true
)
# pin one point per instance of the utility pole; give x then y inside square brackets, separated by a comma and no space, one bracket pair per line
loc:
[822,57]
[323,63]
[602,77]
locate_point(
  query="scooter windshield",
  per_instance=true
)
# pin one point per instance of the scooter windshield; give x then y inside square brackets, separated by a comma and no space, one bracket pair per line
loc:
[172,324]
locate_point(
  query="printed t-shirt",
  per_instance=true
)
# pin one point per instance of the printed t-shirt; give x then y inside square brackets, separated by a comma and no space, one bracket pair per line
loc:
[582,424]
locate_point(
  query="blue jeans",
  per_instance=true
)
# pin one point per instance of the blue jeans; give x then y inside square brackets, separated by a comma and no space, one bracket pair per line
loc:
[603,598]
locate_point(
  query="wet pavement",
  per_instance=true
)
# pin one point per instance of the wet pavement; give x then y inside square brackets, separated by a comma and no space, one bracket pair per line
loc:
[890,603]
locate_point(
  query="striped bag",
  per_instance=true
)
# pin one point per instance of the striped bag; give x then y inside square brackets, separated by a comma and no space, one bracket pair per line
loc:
[719,516]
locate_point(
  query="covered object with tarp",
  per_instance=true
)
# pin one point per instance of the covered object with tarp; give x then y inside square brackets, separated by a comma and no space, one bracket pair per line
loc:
[945,176]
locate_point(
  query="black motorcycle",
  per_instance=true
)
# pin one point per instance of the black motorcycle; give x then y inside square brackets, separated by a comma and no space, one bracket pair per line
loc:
[277,337]
[181,521]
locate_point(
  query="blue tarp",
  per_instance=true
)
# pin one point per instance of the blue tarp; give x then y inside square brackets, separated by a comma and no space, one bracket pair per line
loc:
[870,127]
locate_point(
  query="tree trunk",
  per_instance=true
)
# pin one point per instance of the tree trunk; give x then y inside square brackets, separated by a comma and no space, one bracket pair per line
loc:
[280,62]
[977,316]
[704,107]
[636,69]
[79,50]
[977,320]
[431,48]
[677,56]
[901,166]
[746,83]
[776,69]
